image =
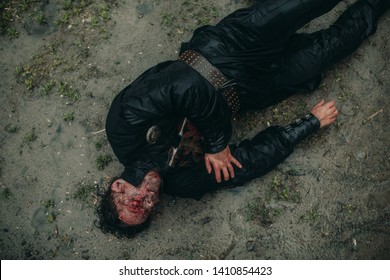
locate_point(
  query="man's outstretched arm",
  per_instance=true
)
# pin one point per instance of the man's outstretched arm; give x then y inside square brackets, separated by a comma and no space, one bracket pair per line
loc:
[271,146]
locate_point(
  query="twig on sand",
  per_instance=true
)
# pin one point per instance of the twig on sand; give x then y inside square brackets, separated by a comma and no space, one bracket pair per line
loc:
[99,131]
[374,115]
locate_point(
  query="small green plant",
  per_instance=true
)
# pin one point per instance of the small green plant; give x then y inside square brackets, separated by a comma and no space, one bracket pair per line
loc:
[6,194]
[84,192]
[12,128]
[38,16]
[284,194]
[281,191]
[276,182]
[30,82]
[47,88]
[18,71]
[26,75]
[342,97]
[51,217]
[286,191]
[63,19]
[102,161]
[50,203]
[69,116]
[99,145]
[311,216]
[167,19]
[67,240]
[104,12]
[95,22]
[68,91]
[256,211]
[12,33]
[347,207]
[68,5]
[31,136]
[337,125]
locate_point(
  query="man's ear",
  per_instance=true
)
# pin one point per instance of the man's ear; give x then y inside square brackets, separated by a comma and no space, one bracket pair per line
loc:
[118,185]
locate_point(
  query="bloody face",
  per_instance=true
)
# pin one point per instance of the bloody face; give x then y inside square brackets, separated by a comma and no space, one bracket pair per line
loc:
[135,204]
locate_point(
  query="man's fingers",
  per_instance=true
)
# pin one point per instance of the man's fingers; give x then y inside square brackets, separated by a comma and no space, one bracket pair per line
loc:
[208,165]
[333,112]
[217,172]
[226,175]
[231,171]
[331,104]
[218,176]
[320,103]
[236,162]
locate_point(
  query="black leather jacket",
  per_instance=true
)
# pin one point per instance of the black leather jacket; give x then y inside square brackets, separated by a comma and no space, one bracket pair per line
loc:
[162,97]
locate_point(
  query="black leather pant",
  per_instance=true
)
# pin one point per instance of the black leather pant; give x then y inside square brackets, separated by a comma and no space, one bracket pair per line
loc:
[259,49]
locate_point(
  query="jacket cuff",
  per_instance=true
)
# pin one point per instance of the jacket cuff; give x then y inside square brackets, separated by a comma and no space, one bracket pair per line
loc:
[301,128]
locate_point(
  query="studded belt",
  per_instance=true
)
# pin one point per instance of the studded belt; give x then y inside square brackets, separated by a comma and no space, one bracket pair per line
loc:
[213,76]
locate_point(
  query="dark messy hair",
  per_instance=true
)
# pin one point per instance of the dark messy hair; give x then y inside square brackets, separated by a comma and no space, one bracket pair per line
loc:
[109,221]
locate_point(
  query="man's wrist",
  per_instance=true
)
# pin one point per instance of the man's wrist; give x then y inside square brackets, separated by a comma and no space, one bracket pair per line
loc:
[301,128]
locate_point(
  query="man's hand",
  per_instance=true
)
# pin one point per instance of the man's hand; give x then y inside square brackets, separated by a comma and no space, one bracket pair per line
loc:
[221,161]
[326,113]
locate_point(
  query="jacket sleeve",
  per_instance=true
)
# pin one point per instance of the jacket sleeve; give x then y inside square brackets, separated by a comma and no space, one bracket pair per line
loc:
[270,147]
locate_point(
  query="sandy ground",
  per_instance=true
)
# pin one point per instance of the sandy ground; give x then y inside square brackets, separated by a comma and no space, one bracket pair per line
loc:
[329,200]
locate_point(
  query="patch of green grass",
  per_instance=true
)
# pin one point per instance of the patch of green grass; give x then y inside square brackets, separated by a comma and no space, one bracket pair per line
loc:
[311,216]
[11,33]
[69,116]
[99,144]
[18,71]
[104,12]
[49,203]
[47,88]
[68,91]
[63,19]
[13,11]
[67,5]
[43,65]
[73,10]
[256,211]
[337,125]
[189,16]
[95,22]
[205,14]
[67,240]
[51,217]
[85,192]
[52,68]
[102,161]
[348,208]
[12,128]
[31,136]
[6,194]
[38,16]
[285,191]
[27,75]
[168,19]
